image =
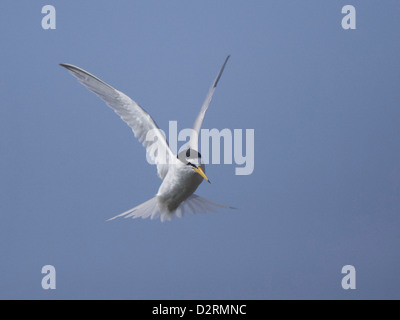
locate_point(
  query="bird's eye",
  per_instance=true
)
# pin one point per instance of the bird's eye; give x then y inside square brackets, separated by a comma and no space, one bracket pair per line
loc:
[192,154]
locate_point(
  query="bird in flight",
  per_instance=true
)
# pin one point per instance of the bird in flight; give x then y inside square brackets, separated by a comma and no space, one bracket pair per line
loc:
[181,174]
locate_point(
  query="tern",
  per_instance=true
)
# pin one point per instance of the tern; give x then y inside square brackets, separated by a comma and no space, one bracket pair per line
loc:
[181,174]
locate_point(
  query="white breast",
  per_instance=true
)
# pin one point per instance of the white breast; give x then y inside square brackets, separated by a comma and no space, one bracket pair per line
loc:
[180,183]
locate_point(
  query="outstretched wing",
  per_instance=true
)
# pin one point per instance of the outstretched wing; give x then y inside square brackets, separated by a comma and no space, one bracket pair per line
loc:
[194,141]
[141,123]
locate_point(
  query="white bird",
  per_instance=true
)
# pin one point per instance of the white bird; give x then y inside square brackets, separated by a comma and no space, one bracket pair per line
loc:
[181,174]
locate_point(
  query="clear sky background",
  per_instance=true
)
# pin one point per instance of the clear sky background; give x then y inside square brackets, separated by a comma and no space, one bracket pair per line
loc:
[325,191]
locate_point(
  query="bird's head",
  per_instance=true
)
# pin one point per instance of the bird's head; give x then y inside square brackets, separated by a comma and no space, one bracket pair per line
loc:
[192,158]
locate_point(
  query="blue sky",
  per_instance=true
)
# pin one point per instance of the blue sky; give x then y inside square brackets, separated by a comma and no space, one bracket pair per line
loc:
[324,104]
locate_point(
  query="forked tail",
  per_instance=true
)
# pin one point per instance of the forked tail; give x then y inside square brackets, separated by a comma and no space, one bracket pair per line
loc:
[151,209]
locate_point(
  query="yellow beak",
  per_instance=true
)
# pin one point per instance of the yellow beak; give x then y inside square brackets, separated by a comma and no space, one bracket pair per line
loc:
[201,172]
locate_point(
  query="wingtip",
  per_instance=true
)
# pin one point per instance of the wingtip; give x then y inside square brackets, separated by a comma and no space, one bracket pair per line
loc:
[220,72]
[71,67]
[65,65]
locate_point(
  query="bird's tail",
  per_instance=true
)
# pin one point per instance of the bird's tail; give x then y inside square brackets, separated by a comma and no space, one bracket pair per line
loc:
[151,209]
[148,209]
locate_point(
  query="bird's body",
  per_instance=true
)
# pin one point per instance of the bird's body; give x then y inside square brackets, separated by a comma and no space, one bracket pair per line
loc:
[180,183]
[181,174]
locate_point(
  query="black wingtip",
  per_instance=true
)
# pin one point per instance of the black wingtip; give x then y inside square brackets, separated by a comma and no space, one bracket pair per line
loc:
[222,70]
[65,65]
